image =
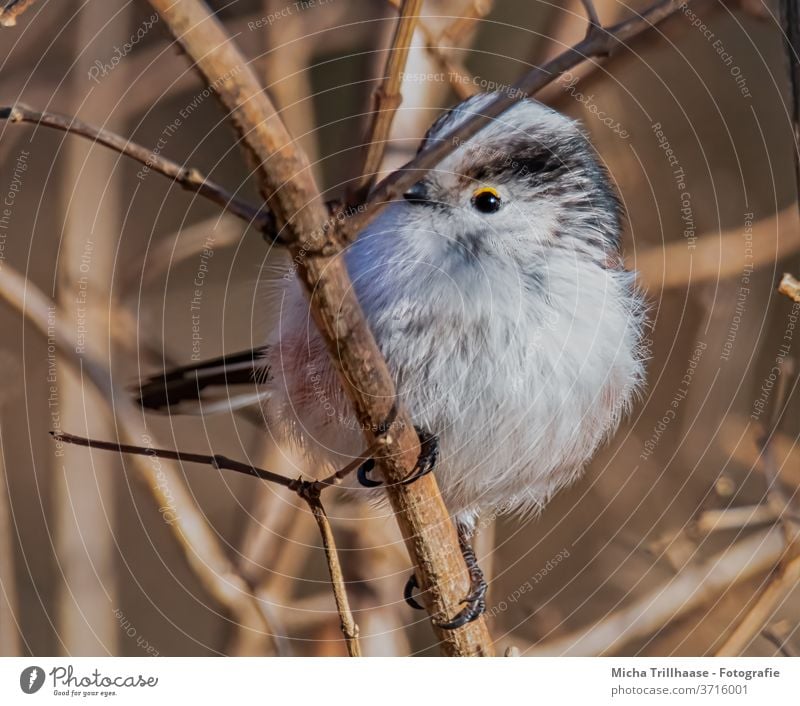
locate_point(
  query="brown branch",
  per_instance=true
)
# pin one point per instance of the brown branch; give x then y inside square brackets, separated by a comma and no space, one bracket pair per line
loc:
[307,490]
[595,44]
[218,461]
[189,178]
[288,186]
[11,10]
[592,16]
[348,625]
[387,98]
[734,518]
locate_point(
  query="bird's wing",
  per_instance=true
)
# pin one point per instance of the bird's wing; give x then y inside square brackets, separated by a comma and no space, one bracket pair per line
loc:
[205,387]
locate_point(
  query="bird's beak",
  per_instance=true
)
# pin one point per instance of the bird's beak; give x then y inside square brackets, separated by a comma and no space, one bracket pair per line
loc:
[418,193]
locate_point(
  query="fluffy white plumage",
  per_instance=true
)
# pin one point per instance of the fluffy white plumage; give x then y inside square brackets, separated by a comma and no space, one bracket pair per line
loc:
[513,336]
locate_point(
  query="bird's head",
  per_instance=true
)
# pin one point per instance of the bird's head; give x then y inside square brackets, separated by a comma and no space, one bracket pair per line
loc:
[526,183]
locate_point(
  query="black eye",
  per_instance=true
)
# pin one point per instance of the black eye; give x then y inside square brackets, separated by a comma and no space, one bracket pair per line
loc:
[486,200]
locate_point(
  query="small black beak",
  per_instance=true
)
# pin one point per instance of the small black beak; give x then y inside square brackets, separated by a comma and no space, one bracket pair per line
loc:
[418,193]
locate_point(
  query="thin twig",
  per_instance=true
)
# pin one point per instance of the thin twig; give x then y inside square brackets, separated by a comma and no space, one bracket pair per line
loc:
[784,579]
[387,98]
[307,490]
[348,624]
[592,16]
[461,80]
[214,460]
[218,461]
[189,178]
[596,44]
[733,518]
[12,9]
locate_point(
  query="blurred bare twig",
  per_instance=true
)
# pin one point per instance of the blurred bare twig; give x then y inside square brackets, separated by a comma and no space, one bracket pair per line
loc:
[12,9]
[189,178]
[790,287]
[733,518]
[348,625]
[719,256]
[779,634]
[786,574]
[387,98]
[687,590]
[200,546]
[597,43]
[784,579]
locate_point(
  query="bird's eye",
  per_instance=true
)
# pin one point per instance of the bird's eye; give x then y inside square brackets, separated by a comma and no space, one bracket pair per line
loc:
[486,200]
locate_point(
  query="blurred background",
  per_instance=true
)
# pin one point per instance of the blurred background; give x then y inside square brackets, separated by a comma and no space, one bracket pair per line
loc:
[661,549]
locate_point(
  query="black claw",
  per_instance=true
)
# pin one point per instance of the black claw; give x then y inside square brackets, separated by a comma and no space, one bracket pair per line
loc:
[408,592]
[362,472]
[476,600]
[475,607]
[428,455]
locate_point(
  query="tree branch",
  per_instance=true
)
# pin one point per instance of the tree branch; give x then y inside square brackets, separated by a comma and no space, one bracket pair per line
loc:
[288,186]
[387,98]
[190,179]
[12,9]
[307,490]
[595,44]
[592,16]
[348,625]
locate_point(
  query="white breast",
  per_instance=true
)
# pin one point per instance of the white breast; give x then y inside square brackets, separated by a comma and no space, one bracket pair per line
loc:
[520,382]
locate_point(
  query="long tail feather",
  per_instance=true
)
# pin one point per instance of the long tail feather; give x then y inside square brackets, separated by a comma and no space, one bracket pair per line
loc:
[206,387]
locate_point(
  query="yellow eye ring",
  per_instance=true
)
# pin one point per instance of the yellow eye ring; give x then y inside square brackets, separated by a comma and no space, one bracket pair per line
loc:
[486,200]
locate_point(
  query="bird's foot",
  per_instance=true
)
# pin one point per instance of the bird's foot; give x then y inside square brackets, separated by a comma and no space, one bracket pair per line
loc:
[475,602]
[408,593]
[428,455]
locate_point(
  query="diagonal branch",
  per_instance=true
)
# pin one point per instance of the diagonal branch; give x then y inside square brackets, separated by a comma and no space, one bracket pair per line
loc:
[348,625]
[595,44]
[12,9]
[189,178]
[387,97]
[288,186]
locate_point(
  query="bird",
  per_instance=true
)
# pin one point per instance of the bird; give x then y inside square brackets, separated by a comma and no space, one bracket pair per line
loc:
[496,291]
